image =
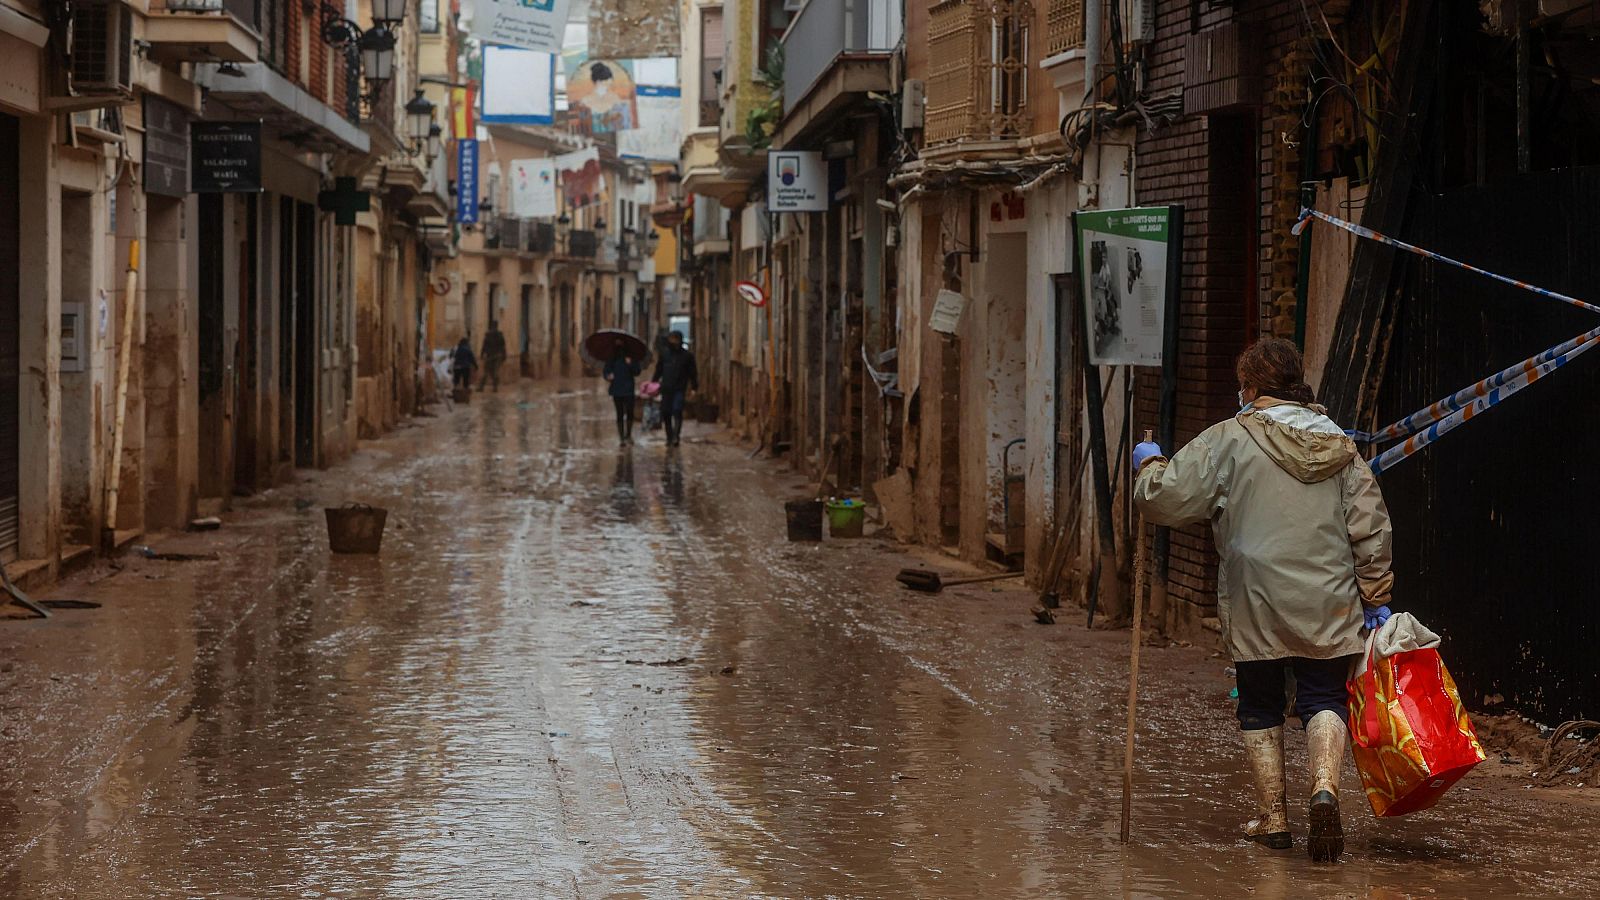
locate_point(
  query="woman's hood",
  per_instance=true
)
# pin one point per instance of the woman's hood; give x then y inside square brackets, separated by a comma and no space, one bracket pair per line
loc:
[1302,440]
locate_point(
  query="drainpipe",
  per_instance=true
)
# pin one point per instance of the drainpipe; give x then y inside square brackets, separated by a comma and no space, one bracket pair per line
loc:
[1089,188]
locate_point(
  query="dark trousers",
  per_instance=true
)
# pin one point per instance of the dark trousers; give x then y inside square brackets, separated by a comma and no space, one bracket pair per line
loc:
[491,372]
[672,414]
[624,417]
[1319,684]
[461,378]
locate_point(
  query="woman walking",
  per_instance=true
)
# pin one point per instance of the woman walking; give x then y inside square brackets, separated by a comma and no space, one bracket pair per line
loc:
[1304,544]
[621,369]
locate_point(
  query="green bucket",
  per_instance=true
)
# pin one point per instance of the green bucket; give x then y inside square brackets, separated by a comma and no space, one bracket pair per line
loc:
[846,518]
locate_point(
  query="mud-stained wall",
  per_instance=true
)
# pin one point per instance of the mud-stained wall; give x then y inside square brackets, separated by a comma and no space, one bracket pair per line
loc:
[169,361]
[1005,301]
[1048,254]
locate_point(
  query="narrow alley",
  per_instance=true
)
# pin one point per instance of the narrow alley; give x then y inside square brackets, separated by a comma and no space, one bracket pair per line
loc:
[583,671]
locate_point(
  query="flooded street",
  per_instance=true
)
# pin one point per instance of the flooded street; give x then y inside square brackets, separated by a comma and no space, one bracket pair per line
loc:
[583,671]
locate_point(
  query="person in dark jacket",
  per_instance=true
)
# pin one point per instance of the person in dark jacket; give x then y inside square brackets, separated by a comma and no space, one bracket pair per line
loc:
[620,371]
[677,374]
[462,364]
[494,353]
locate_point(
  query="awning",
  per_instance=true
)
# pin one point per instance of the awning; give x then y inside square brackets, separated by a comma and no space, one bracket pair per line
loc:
[289,113]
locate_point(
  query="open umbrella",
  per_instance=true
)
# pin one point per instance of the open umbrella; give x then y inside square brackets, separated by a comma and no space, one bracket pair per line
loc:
[597,348]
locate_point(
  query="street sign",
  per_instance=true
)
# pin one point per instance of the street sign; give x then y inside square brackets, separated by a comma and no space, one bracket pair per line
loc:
[166,147]
[751,293]
[225,157]
[466,182]
[797,181]
[1122,262]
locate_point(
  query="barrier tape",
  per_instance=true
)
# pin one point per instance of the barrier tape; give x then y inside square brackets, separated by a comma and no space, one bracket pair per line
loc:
[1428,424]
[1307,214]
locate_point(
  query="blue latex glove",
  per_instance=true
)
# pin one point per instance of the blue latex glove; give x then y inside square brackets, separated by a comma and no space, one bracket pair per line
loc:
[1376,617]
[1143,452]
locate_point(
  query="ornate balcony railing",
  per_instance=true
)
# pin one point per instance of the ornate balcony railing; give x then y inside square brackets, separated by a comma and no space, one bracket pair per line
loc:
[1063,25]
[980,51]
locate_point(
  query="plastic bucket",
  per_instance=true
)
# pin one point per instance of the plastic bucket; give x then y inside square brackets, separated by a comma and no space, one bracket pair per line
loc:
[355,528]
[805,519]
[846,518]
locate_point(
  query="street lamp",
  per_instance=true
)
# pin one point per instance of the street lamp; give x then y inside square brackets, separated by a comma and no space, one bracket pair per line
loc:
[652,240]
[419,120]
[600,226]
[389,12]
[377,54]
[435,141]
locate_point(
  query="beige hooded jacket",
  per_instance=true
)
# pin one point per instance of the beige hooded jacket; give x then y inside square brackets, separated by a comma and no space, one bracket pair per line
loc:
[1299,522]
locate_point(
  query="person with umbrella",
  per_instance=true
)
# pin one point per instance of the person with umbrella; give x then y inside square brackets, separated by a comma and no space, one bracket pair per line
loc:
[677,374]
[620,371]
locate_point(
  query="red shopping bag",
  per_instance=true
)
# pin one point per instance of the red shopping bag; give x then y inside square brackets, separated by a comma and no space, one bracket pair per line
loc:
[1412,738]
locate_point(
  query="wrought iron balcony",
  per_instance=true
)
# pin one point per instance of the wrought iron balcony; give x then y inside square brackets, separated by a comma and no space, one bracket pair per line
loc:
[540,236]
[1063,24]
[979,55]
[582,244]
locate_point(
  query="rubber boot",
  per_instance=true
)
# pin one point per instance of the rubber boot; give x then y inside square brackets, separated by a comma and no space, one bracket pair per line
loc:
[1326,738]
[1264,750]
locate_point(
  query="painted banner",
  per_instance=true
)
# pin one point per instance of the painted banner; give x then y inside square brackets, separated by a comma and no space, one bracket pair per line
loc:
[466,182]
[533,188]
[660,130]
[797,181]
[519,86]
[528,24]
[628,29]
[581,183]
[601,96]
[1122,258]
[463,109]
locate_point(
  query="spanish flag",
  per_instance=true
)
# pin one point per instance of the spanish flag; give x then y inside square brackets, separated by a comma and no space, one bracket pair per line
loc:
[463,126]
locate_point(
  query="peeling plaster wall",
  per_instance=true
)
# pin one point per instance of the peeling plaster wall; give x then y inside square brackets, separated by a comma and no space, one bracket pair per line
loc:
[1049,218]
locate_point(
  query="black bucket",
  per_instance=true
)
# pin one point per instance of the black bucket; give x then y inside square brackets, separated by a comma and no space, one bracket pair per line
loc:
[355,528]
[805,519]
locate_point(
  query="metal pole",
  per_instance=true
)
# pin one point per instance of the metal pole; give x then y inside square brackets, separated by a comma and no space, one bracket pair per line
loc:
[1095,410]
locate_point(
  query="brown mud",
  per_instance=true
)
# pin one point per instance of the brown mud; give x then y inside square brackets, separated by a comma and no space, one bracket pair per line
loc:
[579,671]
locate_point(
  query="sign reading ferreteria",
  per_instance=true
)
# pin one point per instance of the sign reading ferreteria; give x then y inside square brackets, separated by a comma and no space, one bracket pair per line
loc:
[797,181]
[225,157]
[166,147]
[466,182]
[1122,262]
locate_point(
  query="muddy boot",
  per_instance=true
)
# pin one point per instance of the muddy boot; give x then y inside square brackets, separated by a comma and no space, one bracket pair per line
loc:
[1264,749]
[1326,738]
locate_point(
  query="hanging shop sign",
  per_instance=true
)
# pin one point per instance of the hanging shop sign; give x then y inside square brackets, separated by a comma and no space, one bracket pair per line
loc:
[166,148]
[1126,269]
[797,181]
[467,182]
[225,157]
[751,293]
[529,24]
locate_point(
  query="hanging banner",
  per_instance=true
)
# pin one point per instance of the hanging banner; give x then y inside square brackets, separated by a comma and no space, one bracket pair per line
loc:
[634,29]
[660,131]
[463,107]
[1122,260]
[528,24]
[581,183]
[519,86]
[533,188]
[601,96]
[225,157]
[797,181]
[466,182]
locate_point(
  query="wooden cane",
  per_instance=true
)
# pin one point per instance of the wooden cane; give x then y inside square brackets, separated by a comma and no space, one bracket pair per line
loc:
[1140,554]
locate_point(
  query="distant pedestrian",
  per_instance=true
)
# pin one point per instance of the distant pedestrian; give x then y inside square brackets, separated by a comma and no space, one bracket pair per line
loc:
[494,353]
[1305,547]
[621,369]
[462,364]
[677,374]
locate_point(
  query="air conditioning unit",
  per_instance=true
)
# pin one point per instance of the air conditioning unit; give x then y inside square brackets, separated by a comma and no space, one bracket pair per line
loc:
[100,47]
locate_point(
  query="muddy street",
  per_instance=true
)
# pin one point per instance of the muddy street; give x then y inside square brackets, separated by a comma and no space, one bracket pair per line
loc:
[579,671]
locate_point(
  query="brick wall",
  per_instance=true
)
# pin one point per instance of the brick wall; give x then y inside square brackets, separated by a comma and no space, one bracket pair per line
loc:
[1231,245]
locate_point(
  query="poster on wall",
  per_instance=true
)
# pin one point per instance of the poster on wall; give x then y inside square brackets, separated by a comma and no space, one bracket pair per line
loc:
[797,181]
[533,187]
[659,132]
[1122,257]
[629,29]
[601,97]
[519,86]
[528,24]
[581,183]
